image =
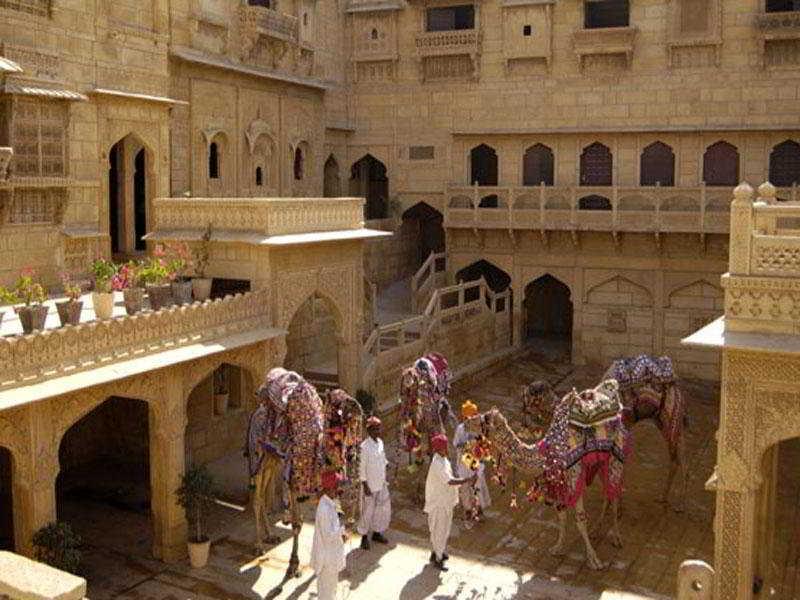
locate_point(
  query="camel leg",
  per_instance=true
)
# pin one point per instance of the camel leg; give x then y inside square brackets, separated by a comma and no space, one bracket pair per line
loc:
[558,548]
[294,561]
[616,538]
[258,508]
[676,465]
[580,520]
[262,498]
[597,530]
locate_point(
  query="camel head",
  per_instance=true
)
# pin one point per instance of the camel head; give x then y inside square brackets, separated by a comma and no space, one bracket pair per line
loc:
[539,401]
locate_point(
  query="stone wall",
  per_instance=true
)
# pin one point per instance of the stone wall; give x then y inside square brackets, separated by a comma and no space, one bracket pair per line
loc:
[311,344]
[635,297]
[387,260]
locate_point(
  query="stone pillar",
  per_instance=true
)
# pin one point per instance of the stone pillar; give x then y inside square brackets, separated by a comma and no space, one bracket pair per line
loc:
[741,230]
[765,536]
[167,456]
[518,317]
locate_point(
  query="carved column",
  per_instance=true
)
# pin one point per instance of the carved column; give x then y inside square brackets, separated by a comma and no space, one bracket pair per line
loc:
[741,230]
[167,446]
[738,481]
[765,523]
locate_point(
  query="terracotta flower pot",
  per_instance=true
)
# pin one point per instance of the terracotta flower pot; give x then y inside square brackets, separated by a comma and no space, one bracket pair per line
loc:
[182,292]
[32,317]
[201,288]
[221,404]
[134,299]
[160,296]
[103,303]
[198,553]
[69,312]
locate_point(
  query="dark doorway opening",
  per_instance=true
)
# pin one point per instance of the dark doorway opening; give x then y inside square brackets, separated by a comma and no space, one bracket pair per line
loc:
[483,165]
[429,224]
[6,500]
[368,179]
[139,201]
[548,314]
[114,197]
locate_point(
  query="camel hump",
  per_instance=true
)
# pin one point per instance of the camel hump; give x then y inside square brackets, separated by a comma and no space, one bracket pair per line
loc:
[596,406]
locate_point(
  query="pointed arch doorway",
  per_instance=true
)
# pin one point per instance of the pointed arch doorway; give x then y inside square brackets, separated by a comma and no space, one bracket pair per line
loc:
[129,192]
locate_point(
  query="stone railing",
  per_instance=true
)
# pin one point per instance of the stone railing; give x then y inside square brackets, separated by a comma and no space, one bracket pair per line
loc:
[778,20]
[762,292]
[605,40]
[431,275]
[266,216]
[582,208]
[273,24]
[55,353]
[445,43]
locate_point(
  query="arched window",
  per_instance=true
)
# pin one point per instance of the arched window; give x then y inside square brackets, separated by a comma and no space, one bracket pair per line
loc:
[782,5]
[213,161]
[298,163]
[596,165]
[594,202]
[483,165]
[784,164]
[721,165]
[331,182]
[305,19]
[657,165]
[537,165]
[259,176]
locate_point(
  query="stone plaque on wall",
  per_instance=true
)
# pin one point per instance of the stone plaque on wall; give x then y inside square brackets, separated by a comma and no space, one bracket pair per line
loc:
[616,322]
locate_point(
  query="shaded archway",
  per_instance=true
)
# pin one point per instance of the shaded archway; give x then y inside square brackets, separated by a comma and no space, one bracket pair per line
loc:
[331,183]
[128,195]
[217,412]
[548,313]
[103,487]
[6,500]
[369,180]
[784,164]
[657,165]
[427,225]
[483,165]
[596,166]
[496,278]
[312,346]
[538,165]
[721,165]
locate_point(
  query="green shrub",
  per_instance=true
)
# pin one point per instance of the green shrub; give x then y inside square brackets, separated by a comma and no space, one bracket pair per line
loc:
[57,545]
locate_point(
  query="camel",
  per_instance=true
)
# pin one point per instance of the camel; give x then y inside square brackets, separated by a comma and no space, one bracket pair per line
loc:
[587,437]
[649,391]
[295,433]
[424,410]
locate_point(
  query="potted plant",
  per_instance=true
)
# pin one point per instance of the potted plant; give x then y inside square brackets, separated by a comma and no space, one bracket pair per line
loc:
[153,273]
[57,545]
[69,310]
[31,294]
[180,260]
[201,285]
[6,297]
[195,493]
[103,295]
[127,281]
[221,390]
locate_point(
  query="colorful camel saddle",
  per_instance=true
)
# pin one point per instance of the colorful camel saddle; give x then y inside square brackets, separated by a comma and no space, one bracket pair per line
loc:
[642,370]
[423,393]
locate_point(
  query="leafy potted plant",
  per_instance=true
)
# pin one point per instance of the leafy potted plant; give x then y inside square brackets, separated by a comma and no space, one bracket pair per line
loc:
[153,273]
[57,545]
[69,310]
[201,285]
[180,260]
[31,294]
[196,493]
[221,390]
[127,281]
[6,297]
[103,295]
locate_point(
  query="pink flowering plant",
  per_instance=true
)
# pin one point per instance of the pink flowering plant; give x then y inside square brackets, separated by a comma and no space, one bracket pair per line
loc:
[154,270]
[72,289]
[179,260]
[127,276]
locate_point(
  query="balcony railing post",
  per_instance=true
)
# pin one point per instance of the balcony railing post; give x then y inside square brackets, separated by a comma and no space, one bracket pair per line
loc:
[703,200]
[615,206]
[573,214]
[741,230]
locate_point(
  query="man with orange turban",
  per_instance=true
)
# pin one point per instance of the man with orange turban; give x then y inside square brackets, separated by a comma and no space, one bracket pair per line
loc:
[475,491]
[440,498]
[327,549]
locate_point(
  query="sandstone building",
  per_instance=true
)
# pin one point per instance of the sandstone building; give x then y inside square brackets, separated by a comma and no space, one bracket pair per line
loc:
[571,161]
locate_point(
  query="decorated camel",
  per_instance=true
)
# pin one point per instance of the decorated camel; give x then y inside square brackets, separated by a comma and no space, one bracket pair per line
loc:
[424,410]
[293,436]
[649,390]
[586,438]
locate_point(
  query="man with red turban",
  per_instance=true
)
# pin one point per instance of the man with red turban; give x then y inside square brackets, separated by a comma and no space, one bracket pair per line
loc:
[327,550]
[441,496]
[376,506]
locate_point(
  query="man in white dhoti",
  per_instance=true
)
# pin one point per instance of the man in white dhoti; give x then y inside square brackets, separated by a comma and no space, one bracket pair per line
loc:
[327,549]
[376,506]
[441,496]
[474,496]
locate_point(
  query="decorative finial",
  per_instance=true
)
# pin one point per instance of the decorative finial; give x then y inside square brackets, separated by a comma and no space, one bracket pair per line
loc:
[766,192]
[743,192]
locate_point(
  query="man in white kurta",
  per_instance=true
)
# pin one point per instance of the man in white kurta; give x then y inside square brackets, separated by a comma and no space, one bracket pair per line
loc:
[327,549]
[441,496]
[376,506]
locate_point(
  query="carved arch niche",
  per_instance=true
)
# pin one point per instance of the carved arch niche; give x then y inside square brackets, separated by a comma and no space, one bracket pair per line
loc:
[261,174]
[217,162]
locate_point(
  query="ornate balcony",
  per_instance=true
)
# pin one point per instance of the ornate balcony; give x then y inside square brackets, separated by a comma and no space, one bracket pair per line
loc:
[449,43]
[614,209]
[605,41]
[776,21]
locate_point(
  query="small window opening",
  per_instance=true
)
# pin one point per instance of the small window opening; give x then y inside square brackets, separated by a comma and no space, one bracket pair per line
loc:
[526,30]
[213,161]
[606,13]
[264,3]
[305,19]
[450,18]
[259,176]
[783,5]
[374,34]
[298,164]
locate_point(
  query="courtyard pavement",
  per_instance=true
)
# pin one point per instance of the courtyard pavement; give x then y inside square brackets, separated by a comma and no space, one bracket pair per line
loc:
[505,557]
